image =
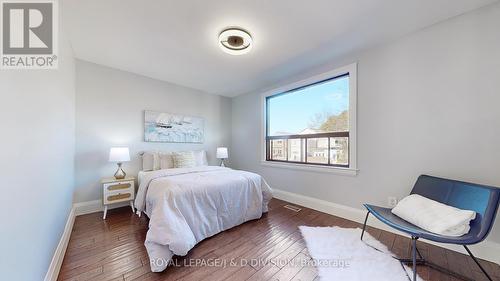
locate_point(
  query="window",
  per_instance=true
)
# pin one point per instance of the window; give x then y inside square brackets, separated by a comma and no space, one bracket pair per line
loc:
[312,123]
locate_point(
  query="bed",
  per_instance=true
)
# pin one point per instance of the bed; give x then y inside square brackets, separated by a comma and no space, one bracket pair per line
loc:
[187,205]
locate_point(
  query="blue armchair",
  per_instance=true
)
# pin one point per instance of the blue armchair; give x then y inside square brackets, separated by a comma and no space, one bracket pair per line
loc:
[482,199]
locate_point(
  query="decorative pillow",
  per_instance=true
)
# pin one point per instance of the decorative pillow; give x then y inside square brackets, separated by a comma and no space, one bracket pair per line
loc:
[150,161]
[166,160]
[157,160]
[184,159]
[200,158]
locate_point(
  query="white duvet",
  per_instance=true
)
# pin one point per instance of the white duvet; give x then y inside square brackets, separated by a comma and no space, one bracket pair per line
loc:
[187,205]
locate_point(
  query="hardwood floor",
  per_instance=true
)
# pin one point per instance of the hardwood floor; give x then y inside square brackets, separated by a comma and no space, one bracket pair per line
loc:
[113,250]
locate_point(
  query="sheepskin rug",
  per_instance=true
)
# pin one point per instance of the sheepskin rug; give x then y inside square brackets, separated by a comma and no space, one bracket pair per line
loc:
[339,254]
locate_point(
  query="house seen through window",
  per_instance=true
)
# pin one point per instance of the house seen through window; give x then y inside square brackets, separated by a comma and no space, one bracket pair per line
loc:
[310,124]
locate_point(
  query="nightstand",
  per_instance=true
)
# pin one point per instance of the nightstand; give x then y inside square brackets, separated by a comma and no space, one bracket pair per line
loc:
[116,191]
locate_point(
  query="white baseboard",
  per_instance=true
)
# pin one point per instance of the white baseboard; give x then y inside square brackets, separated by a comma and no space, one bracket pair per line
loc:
[57,259]
[88,207]
[486,250]
[81,208]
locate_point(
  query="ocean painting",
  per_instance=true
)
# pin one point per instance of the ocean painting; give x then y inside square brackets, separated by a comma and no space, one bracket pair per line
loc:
[168,127]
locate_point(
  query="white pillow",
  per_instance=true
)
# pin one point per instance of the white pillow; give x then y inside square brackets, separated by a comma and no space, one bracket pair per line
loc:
[184,159]
[166,160]
[150,161]
[154,160]
[434,216]
[200,158]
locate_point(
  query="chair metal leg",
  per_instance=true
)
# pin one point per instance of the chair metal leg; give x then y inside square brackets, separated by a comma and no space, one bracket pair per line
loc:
[414,256]
[420,257]
[364,225]
[477,262]
[421,261]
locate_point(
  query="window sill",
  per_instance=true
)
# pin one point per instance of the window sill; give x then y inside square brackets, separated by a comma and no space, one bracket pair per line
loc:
[312,168]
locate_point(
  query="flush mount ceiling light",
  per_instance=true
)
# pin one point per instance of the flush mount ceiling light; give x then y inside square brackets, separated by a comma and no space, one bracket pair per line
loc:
[235,41]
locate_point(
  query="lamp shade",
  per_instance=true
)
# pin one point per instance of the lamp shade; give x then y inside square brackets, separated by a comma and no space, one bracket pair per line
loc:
[222,153]
[119,154]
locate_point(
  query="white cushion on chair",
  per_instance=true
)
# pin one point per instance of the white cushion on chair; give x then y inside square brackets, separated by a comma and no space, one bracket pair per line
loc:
[434,216]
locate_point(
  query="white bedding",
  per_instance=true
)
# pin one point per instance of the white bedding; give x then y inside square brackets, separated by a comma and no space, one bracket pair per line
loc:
[187,205]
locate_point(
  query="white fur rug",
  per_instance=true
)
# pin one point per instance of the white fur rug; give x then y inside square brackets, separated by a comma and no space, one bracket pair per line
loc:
[339,254]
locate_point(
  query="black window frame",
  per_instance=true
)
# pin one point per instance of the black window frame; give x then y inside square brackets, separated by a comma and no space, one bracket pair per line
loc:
[305,137]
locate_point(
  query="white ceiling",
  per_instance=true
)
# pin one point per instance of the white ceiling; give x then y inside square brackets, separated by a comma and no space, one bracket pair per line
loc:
[176,41]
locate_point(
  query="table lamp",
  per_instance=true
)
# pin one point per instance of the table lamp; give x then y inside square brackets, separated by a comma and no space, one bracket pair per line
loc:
[222,154]
[119,155]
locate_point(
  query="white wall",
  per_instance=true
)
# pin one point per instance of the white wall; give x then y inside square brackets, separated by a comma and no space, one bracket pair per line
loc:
[37,142]
[110,111]
[427,103]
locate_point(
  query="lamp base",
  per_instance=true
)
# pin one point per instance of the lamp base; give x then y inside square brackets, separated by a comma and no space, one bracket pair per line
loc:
[222,163]
[120,173]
